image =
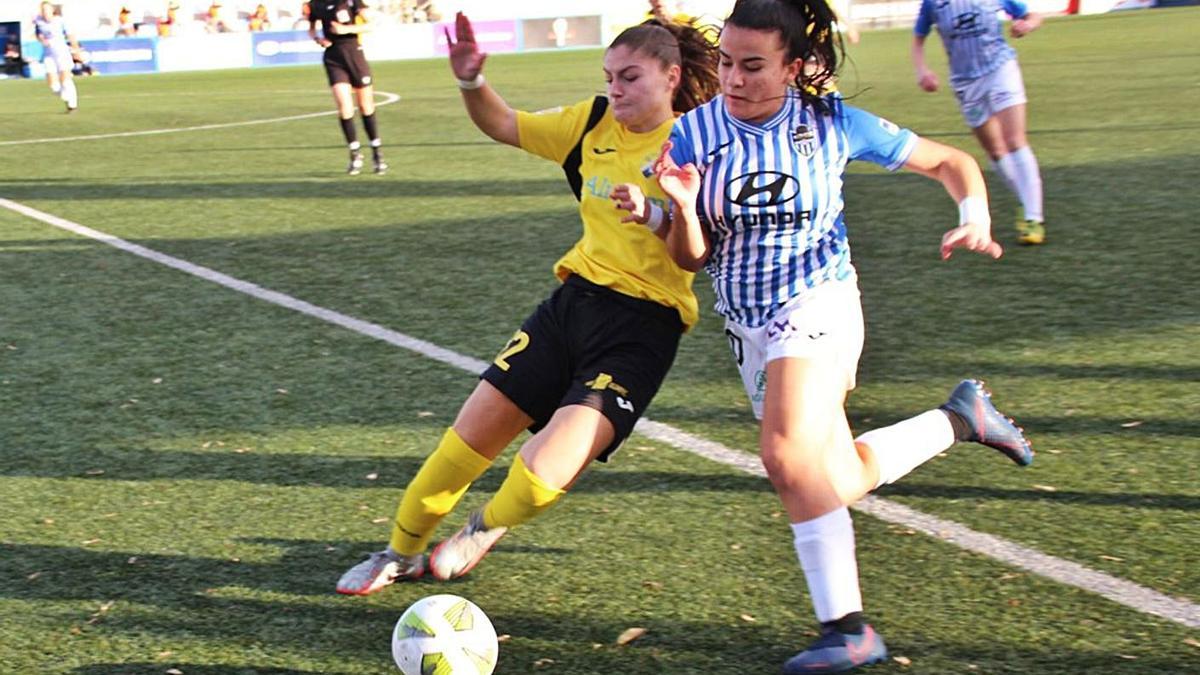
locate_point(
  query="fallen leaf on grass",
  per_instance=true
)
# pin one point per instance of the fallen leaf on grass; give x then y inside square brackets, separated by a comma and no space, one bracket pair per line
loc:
[33,576]
[94,472]
[902,660]
[425,413]
[542,662]
[1045,488]
[1112,558]
[1127,657]
[379,520]
[747,618]
[653,585]
[173,671]
[630,635]
[1130,425]
[372,476]
[1192,642]
[503,638]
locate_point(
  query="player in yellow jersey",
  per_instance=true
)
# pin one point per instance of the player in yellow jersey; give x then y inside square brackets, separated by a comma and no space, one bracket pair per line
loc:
[585,365]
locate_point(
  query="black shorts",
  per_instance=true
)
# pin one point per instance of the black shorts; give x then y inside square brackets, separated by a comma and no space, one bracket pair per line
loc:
[344,62]
[588,345]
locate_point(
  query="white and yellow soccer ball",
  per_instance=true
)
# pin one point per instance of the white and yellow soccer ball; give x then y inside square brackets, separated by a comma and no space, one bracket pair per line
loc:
[444,635]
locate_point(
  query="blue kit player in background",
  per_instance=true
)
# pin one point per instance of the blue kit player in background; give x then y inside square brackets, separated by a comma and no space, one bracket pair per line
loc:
[755,177]
[342,24]
[991,94]
[57,42]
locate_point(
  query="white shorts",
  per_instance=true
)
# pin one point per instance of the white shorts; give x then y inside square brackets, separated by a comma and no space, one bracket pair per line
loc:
[985,96]
[58,61]
[826,323]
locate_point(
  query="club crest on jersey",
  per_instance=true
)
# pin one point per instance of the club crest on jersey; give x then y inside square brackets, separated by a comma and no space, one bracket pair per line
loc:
[804,140]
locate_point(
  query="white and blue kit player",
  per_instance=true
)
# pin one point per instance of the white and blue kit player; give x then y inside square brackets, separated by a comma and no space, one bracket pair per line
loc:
[987,82]
[772,202]
[56,41]
[755,180]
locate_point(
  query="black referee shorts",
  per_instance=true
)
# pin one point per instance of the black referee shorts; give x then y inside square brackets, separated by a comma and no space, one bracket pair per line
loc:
[344,62]
[588,345]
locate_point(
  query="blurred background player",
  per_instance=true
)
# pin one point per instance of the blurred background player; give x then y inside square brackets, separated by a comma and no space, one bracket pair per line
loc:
[991,93]
[587,362]
[342,23]
[57,43]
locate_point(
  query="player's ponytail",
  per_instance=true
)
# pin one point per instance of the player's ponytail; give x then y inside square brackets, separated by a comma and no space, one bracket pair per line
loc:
[679,45]
[807,32]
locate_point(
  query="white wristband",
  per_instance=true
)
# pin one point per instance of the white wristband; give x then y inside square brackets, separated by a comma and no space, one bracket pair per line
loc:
[974,210]
[656,217]
[472,84]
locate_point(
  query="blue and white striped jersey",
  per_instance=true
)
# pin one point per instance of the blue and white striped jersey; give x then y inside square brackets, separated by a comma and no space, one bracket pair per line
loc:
[54,32]
[971,33]
[771,196]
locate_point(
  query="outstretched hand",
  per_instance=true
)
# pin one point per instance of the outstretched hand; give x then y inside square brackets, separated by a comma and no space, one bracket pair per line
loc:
[465,58]
[972,237]
[681,183]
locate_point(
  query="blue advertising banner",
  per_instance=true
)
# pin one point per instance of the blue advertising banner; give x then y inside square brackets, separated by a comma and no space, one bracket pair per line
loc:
[285,47]
[122,55]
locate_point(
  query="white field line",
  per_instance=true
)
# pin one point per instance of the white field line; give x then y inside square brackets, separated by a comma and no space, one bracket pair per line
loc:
[388,98]
[1066,572]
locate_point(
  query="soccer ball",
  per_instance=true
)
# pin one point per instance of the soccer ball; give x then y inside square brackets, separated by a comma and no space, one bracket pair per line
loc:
[446,635]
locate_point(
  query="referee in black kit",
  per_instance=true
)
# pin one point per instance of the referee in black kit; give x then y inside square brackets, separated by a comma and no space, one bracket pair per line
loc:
[342,24]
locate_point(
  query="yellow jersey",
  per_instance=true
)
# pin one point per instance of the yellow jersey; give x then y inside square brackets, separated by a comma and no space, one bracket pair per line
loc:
[626,257]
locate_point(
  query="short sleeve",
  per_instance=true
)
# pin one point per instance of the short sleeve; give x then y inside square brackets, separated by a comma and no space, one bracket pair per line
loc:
[1015,8]
[877,140]
[552,133]
[682,150]
[925,18]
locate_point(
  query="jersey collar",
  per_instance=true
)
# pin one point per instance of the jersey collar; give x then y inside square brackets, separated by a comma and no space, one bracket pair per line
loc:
[784,112]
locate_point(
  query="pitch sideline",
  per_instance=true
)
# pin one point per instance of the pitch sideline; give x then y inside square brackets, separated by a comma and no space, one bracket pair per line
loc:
[1121,591]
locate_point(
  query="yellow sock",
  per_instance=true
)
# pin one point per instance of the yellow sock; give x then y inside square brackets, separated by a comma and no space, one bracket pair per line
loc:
[434,491]
[522,496]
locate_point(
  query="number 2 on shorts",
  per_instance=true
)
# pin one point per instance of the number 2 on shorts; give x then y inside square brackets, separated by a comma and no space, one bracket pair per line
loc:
[517,344]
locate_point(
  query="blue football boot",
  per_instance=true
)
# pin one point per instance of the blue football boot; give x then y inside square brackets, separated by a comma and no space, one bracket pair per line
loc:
[836,652]
[971,401]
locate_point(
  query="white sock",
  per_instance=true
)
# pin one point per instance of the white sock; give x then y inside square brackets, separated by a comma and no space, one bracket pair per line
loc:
[56,88]
[69,93]
[1029,182]
[825,546]
[907,444]
[1003,170]
[355,146]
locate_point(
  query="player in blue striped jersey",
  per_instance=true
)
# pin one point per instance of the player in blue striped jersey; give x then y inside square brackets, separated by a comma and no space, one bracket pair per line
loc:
[755,177]
[991,94]
[57,41]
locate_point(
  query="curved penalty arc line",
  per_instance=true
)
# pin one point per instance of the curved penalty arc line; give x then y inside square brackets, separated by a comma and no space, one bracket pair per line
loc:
[388,98]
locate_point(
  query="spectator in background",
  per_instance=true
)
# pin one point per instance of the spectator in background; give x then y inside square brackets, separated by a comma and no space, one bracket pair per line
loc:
[303,23]
[215,20]
[259,20]
[425,12]
[125,25]
[166,24]
[81,63]
[14,65]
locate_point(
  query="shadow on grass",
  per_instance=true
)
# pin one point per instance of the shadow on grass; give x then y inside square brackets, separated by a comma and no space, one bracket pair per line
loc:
[393,473]
[1132,500]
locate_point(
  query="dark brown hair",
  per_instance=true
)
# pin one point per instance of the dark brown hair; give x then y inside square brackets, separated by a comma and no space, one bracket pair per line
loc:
[806,29]
[679,45]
